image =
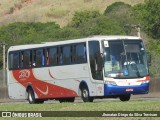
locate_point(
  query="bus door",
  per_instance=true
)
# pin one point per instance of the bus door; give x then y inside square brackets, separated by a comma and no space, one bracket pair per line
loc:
[96,65]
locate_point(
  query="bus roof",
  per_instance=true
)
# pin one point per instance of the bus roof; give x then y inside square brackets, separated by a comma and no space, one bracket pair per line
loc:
[97,37]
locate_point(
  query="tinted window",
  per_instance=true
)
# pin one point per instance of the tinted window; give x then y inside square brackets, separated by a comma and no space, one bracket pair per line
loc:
[40,57]
[80,53]
[34,58]
[47,56]
[21,59]
[66,55]
[94,48]
[58,55]
[27,58]
[60,58]
[14,60]
[53,56]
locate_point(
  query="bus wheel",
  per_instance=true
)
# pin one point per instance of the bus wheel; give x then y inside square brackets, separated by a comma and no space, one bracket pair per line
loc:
[85,95]
[125,97]
[31,96]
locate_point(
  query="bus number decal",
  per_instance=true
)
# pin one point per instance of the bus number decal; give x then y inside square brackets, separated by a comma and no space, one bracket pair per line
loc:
[24,74]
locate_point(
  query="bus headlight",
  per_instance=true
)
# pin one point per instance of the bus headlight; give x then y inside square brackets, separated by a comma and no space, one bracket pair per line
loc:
[146,81]
[110,82]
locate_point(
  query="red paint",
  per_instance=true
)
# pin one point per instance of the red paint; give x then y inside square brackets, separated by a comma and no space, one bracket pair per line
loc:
[78,80]
[140,80]
[148,78]
[41,88]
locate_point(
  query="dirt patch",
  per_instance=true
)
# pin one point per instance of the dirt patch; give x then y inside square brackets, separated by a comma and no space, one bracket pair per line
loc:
[18,6]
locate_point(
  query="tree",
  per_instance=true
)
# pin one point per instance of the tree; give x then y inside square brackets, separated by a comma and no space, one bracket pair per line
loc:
[83,16]
[117,8]
[120,12]
[13,33]
[149,15]
[67,33]
[27,33]
[101,26]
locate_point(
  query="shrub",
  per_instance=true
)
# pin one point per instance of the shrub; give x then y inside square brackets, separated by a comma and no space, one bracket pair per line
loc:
[117,7]
[83,16]
[121,13]
[101,26]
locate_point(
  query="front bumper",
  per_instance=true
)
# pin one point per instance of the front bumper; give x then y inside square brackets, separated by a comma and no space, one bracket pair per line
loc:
[120,90]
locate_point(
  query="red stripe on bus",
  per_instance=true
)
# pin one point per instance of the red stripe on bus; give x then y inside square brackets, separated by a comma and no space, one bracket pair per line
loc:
[41,88]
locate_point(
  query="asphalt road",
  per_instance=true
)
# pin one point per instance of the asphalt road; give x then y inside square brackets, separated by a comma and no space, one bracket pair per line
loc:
[146,97]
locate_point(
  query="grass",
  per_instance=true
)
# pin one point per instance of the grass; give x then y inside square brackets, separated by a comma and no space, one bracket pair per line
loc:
[57,13]
[60,11]
[95,106]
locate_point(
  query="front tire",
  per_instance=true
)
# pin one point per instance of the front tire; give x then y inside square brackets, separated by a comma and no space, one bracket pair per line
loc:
[125,97]
[85,95]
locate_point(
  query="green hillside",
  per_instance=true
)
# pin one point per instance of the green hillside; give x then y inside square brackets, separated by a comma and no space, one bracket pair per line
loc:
[60,11]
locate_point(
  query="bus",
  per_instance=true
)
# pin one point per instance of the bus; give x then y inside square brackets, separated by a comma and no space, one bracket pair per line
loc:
[92,67]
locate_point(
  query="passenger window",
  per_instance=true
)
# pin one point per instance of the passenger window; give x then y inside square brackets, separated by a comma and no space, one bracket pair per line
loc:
[14,60]
[34,58]
[26,61]
[52,56]
[40,57]
[21,59]
[66,55]
[80,53]
[47,56]
[60,55]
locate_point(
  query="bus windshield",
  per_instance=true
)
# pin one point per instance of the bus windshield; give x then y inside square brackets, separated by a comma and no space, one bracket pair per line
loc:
[125,59]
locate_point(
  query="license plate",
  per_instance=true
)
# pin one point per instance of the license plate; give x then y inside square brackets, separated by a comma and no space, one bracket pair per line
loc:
[129,90]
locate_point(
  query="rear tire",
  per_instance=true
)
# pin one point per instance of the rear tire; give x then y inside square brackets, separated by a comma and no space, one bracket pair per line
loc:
[125,97]
[85,95]
[31,96]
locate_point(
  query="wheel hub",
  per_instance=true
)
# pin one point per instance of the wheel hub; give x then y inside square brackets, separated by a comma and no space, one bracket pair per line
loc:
[85,93]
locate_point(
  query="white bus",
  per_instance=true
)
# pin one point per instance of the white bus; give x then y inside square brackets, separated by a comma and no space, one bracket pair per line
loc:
[93,67]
